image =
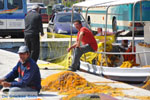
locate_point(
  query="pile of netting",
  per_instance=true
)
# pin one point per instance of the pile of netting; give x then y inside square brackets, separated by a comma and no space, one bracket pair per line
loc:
[64,81]
[71,84]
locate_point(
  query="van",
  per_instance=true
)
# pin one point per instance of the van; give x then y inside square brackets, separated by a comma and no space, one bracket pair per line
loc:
[12,15]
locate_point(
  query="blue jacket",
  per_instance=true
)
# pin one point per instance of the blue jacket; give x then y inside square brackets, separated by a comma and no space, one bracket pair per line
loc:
[28,75]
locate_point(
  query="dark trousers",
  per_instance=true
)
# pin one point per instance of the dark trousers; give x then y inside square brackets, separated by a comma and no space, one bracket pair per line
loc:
[33,43]
[78,53]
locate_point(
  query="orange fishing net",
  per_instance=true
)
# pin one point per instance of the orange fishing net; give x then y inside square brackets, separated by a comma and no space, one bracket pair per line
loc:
[147,85]
[71,84]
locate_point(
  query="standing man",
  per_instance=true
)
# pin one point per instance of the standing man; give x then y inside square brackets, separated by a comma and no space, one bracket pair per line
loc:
[33,26]
[28,74]
[89,44]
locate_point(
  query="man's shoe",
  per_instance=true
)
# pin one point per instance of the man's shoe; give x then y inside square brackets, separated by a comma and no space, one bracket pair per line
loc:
[70,69]
[78,68]
[5,91]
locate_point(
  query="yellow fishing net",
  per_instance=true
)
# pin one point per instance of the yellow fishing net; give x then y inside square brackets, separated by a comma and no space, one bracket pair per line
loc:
[62,58]
[126,64]
[56,51]
[91,56]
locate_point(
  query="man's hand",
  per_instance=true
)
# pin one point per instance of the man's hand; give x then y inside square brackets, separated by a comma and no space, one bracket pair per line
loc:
[73,46]
[1,80]
[68,50]
[6,84]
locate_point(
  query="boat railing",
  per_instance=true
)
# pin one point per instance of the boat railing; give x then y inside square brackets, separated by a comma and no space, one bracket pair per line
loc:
[125,53]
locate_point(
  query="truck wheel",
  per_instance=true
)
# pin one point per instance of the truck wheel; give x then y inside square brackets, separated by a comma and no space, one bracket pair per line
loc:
[17,35]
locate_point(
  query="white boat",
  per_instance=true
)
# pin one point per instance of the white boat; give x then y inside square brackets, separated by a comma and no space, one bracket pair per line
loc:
[134,74]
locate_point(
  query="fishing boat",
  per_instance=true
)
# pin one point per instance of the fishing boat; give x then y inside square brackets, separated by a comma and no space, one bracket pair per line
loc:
[136,73]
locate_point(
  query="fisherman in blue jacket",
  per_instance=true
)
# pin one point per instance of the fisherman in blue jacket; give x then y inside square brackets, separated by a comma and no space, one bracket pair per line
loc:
[28,74]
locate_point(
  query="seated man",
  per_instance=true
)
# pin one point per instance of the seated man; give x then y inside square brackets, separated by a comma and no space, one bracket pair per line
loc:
[118,59]
[124,46]
[28,74]
[100,32]
[131,57]
[89,44]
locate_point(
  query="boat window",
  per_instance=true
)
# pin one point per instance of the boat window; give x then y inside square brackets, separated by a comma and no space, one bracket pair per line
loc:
[14,4]
[1,4]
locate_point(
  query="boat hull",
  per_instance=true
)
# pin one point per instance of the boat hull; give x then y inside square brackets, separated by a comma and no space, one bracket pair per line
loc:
[135,74]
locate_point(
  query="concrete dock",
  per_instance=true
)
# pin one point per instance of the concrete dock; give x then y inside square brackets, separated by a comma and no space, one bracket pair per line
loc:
[8,60]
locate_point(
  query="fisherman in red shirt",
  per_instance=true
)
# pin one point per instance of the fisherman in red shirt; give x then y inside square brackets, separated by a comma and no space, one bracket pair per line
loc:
[131,57]
[89,44]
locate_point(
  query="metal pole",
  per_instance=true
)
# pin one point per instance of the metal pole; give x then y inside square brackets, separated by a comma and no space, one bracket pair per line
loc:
[139,59]
[123,53]
[86,15]
[71,26]
[141,11]
[133,19]
[86,22]
[106,28]
[145,58]
[106,34]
